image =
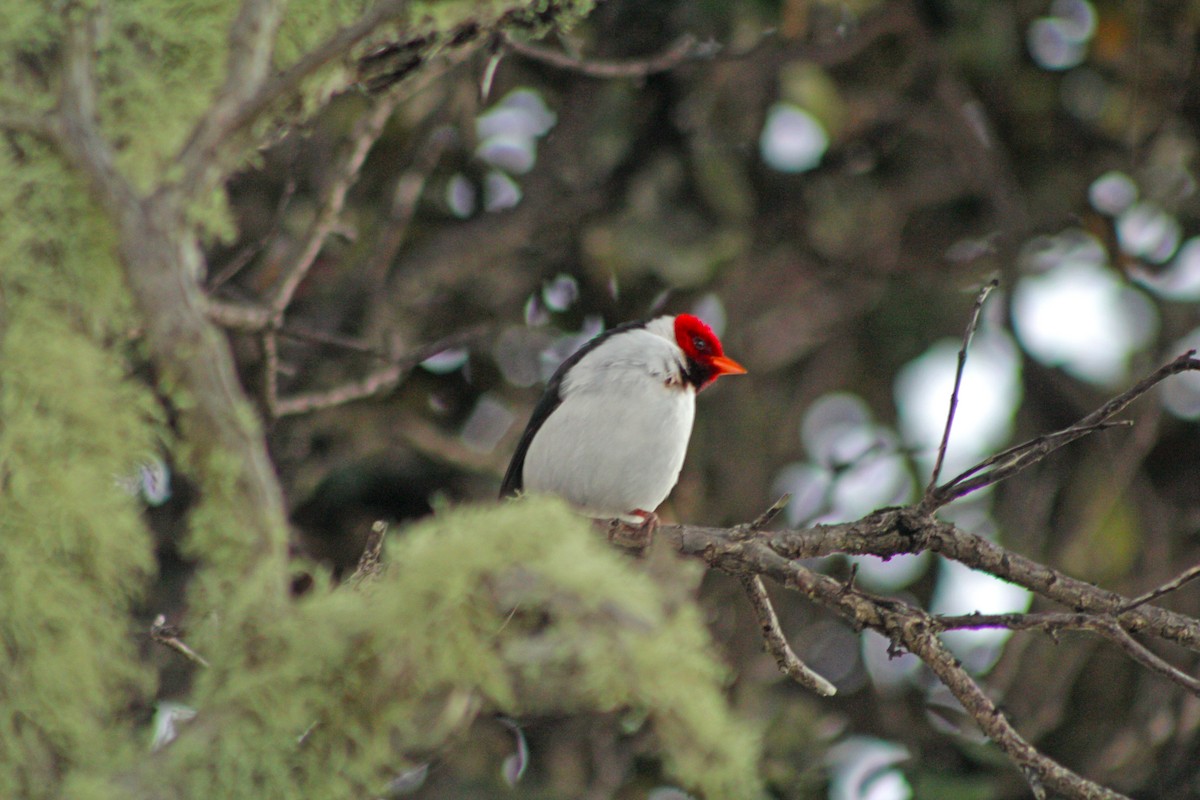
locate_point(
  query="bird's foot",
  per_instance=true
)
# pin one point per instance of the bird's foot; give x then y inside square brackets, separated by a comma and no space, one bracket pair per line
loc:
[634,536]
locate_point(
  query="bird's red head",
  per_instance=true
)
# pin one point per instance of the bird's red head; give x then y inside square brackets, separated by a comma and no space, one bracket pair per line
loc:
[706,358]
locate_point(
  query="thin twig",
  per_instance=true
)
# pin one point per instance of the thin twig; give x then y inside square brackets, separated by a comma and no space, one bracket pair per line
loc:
[375,382]
[243,257]
[370,562]
[405,197]
[916,631]
[777,644]
[367,130]
[1183,578]
[685,48]
[168,635]
[270,390]
[767,517]
[1141,654]
[1022,456]
[1106,625]
[891,532]
[1039,770]
[968,334]
[300,333]
[235,316]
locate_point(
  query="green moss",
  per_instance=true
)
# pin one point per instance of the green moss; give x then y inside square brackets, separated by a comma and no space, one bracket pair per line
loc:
[75,552]
[517,608]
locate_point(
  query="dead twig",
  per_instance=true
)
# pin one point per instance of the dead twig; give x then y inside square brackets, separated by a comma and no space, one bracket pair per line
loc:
[370,564]
[1022,456]
[405,197]
[1187,576]
[169,635]
[1106,625]
[968,334]
[777,644]
[246,254]
[374,383]
[367,130]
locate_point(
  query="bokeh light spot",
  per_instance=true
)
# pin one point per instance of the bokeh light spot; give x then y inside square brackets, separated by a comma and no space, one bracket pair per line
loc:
[792,139]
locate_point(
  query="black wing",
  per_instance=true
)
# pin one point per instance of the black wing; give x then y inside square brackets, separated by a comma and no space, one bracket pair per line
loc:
[514,478]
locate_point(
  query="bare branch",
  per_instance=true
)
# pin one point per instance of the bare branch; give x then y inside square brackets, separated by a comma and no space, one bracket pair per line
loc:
[245,254]
[1018,458]
[777,644]
[968,334]
[237,316]
[767,517]
[891,532]
[911,628]
[161,258]
[1178,582]
[367,130]
[1052,623]
[375,382]
[405,197]
[685,48]
[169,636]
[1039,770]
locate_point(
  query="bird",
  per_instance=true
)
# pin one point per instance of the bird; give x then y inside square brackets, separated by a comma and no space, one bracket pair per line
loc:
[610,432]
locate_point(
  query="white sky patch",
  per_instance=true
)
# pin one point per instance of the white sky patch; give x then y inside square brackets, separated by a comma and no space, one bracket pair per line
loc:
[1079,316]
[854,465]
[1060,41]
[446,361]
[836,429]
[792,139]
[515,154]
[892,575]
[710,309]
[987,400]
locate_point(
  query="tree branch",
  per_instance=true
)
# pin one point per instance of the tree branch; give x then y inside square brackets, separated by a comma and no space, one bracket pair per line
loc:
[968,334]
[685,48]
[907,626]
[1053,623]
[200,157]
[373,383]
[161,260]
[777,644]
[1018,458]
[895,531]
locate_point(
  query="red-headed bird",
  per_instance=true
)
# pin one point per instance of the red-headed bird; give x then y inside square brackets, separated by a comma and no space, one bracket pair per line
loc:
[610,433]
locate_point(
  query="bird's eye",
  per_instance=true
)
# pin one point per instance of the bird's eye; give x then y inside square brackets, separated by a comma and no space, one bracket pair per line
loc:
[699,344]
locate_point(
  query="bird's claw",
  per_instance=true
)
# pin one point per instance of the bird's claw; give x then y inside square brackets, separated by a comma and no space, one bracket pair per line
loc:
[634,536]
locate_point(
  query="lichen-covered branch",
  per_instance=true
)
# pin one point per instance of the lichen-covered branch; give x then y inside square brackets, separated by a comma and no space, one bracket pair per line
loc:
[161,258]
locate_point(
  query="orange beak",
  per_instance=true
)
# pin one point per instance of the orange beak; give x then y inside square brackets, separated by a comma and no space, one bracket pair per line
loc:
[726,366]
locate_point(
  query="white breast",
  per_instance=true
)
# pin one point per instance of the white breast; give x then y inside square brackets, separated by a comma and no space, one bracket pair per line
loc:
[616,442]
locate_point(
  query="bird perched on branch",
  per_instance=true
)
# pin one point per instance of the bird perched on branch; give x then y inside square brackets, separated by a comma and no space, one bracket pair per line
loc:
[610,433]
